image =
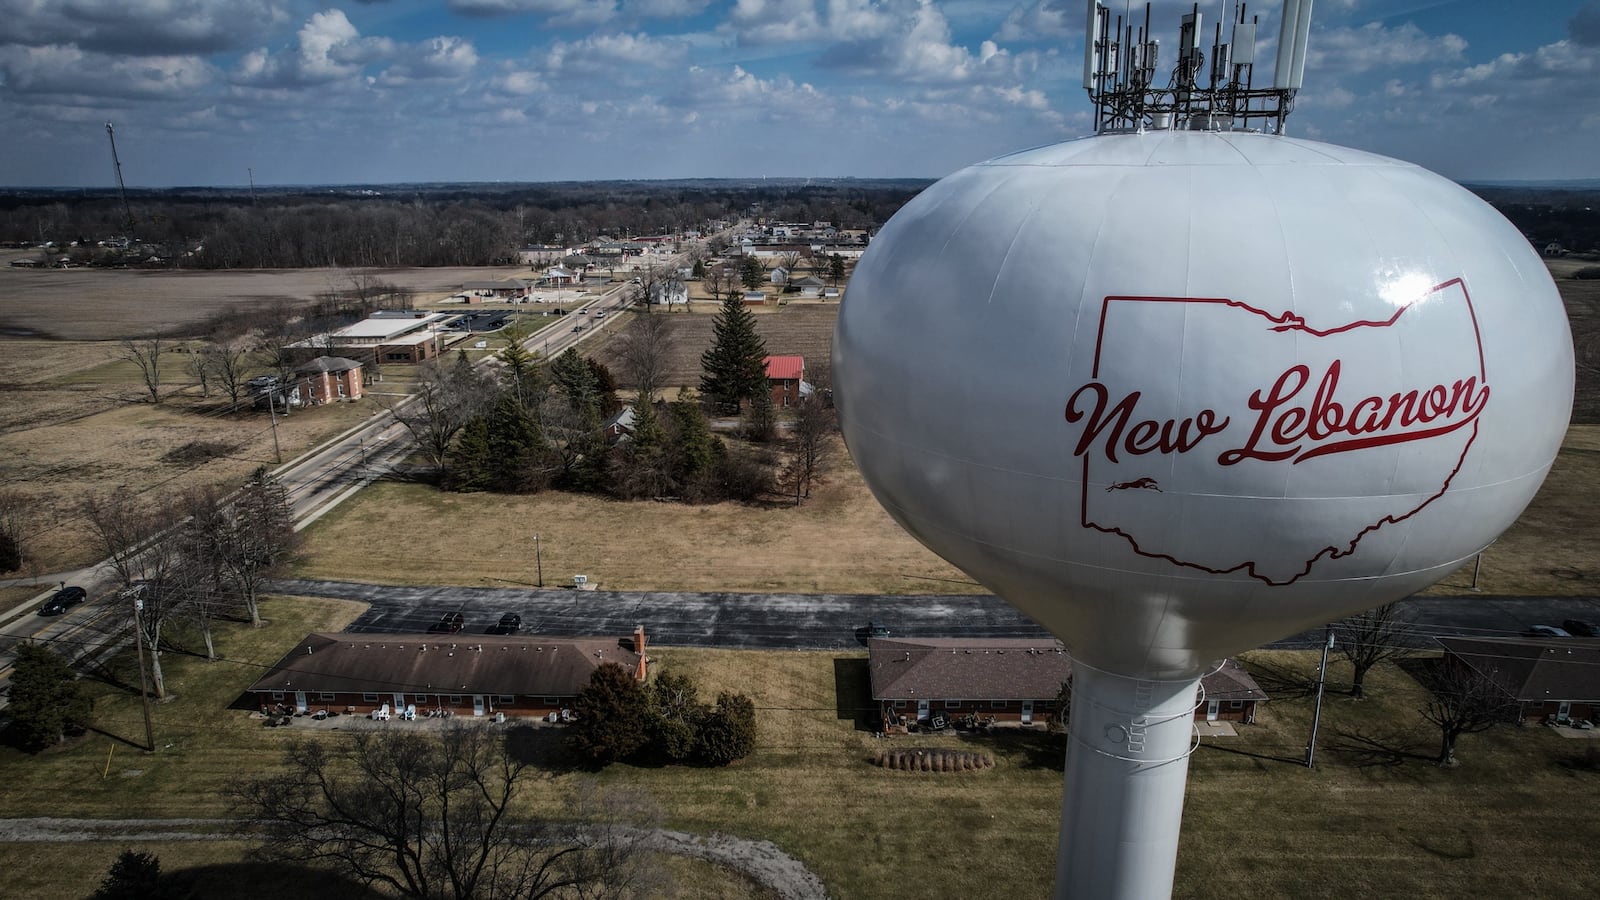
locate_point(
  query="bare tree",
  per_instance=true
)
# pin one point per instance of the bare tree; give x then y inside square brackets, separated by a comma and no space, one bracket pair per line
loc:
[445,400]
[199,365]
[13,521]
[814,425]
[428,816]
[1463,700]
[790,260]
[129,533]
[230,363]
[643,351]
[146,354]
[1372,637]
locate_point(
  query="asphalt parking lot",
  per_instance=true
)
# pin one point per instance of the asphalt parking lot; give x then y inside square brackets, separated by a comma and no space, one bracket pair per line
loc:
[817,621]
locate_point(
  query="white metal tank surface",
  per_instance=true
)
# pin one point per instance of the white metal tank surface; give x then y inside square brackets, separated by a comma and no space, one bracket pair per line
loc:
[1176,394]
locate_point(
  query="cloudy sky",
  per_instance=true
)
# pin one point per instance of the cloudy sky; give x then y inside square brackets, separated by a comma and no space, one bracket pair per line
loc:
[380,91]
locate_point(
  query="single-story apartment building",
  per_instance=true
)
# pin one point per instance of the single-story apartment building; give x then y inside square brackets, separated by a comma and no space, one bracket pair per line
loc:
[481,674]
[1010,680]
[1548,679]
[509,289]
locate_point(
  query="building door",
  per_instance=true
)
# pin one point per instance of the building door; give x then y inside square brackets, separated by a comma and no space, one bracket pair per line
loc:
[1212,708]
[1563,711]
[399,704]
[477,704]
[922,710]
[299,701]
[1027,712]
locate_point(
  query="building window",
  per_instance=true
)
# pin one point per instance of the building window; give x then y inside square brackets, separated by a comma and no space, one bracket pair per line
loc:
[997,704]
[553,701]
[1236,704]
[370,698]
[277,695]
[455,699]
[952,704]
[506,698]
[326,695]
[899,704]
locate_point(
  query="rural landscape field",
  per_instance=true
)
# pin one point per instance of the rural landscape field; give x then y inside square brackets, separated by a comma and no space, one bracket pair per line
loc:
[1377,817]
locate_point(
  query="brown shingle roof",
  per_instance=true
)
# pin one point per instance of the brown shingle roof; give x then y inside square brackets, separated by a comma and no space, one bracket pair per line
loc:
[1534,669]
[480,664]
[1001,669]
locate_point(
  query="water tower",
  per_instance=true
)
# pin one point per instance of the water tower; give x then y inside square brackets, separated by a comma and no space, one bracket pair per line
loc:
[1191,385]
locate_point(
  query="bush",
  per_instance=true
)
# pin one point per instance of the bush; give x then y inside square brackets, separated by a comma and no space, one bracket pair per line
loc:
[729,730]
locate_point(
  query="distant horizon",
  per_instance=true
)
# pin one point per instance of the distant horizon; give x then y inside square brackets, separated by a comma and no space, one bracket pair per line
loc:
[375,92]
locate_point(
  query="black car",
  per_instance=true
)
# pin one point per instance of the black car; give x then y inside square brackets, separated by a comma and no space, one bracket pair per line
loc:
[450,623]
[510,623]
[1581,628]
[64,599]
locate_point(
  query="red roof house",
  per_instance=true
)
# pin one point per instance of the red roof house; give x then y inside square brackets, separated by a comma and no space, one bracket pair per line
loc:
[784,375]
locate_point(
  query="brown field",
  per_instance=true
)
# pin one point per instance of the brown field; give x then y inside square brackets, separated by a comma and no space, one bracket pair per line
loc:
[109,304]
[794,329]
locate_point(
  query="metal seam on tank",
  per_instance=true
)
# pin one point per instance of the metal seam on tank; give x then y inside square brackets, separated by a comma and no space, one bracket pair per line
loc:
[1264,188]
[1000,270]
[955,228]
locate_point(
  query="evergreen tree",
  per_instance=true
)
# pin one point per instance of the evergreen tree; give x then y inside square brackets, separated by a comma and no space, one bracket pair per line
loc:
[647,470]
[471,462]
[516,447]
[135,875]
[734,369]
[46,699]
[836,269]
[699,269]
[692,443]
[751,272]
[728,732]
[613,716]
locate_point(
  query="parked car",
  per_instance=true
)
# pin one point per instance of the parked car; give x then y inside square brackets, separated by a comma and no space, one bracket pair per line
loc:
[63,600]
[510,623]
[1546,631]
[449,624]
[877,630]
[1580,628]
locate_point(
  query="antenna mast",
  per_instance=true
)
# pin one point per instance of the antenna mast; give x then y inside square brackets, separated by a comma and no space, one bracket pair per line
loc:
[1120,66]
[122,189]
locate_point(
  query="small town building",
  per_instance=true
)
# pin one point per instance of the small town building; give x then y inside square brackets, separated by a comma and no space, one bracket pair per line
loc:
[477,675]
[755,298]
[669,293]
[330,378]
[810,286]
[1547,679]
[785,375]
[509,289]
[942,680]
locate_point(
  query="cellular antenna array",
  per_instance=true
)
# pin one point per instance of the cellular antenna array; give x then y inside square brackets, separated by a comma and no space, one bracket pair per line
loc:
[1215,92]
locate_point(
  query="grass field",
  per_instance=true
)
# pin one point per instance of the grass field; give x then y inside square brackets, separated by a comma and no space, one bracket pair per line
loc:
[1376,819]
[840,541]
[795,329]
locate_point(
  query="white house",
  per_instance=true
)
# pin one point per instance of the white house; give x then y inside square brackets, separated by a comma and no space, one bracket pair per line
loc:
[669,293]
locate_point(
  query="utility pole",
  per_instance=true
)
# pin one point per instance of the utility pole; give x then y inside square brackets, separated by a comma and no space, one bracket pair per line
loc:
[538,559]
[272,410]
[1322,677]
[144,680]
[252,173]
[122,189]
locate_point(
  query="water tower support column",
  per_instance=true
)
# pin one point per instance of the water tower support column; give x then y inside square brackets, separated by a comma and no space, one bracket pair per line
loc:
[1127,764]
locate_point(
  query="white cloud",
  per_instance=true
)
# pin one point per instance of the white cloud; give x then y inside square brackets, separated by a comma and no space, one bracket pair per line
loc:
[62,69]
[920,51]
[605,52]
[141,27]
[1041,19]
[437,58]
[1376,46]
[518,83]
[559,12]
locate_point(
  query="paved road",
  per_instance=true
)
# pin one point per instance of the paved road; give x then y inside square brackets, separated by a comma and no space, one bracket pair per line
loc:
[817,621]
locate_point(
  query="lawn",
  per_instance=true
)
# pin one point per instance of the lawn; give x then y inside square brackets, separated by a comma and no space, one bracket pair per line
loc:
[839,541]
[1375,818]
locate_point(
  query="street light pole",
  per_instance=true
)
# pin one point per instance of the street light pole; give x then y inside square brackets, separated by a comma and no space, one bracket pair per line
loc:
[538,559]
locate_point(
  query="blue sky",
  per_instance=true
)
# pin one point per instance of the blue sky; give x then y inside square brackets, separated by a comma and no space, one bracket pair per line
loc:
[380,91]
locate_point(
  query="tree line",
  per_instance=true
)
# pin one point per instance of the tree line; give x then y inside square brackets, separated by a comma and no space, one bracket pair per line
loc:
[413,225]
